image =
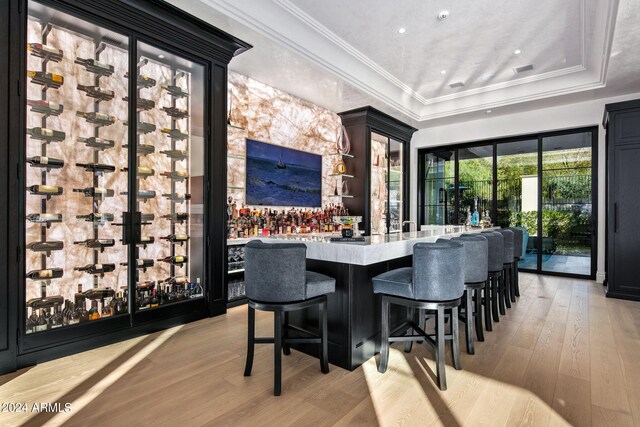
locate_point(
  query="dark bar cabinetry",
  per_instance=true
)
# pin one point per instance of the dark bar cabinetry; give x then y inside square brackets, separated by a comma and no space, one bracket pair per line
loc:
[622,122]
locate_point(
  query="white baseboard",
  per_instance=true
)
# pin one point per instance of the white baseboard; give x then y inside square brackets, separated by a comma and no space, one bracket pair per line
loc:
[600,276]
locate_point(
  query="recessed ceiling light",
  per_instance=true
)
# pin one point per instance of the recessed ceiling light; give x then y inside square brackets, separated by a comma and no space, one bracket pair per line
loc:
[442,15]
[402,30]
[443,72]
[489,111]
[517,52]
[161,56]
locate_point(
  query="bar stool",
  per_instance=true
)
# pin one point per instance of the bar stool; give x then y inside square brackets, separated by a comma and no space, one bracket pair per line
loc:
[518,251]
[496,257]
[276,280]
[435,282]
[506,283]
[476,274]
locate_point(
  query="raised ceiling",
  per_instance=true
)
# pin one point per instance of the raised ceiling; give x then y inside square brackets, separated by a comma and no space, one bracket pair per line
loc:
[346,54]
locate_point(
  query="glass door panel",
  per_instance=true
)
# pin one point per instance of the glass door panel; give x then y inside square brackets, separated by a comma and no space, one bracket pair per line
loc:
[170,156]
[395,186]
[438,200]
[75,171]
[475,184]
[379,183]
[517,193]
[567,203]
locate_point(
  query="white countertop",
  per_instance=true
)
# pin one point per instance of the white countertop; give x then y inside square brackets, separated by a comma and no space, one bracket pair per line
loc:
[374,249]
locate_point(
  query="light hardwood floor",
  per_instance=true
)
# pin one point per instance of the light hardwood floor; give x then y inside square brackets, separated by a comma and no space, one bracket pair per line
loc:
[564,354]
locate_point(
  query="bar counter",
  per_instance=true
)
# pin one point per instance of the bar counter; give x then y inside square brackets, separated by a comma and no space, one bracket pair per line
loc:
[354,310]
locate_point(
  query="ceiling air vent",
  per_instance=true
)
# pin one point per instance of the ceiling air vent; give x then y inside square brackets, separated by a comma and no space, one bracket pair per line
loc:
[456,85]
[522,69]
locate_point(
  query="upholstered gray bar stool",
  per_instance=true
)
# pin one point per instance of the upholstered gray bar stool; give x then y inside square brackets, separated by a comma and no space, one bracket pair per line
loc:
[496,258]
[518,237]
[507,269]
[276,280]
[435,282]
[476,274]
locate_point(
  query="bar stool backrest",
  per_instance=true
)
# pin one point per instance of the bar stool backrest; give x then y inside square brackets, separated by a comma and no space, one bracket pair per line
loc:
[496,250]
[438,271]
[476,250]
[508,244]
[518,237]
[275,272]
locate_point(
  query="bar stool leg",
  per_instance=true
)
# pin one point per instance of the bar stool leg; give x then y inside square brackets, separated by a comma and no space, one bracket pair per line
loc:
[477,315]
[409,344]
[324,359]
[487,305]
[468,324]
[384,339]
[517,280]
[495,285]
[440,373]
[286,349]
[250,341]
[277,352]
[455,345]
[501,288]
[514,278]
[507,286]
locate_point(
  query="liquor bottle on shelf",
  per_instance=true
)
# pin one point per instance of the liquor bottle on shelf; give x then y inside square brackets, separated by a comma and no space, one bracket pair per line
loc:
[98,143]
[95,192]
[175,260]
[48,135]
[56,319]
[45,162]
[176,134]
[45,107]
[143,195]
[45,190]
[143,127]
[97,92]
[177,197]
[96,269]
[118,305]
[143,149]
[177,217]
[176,91]
[147,217]
[45,52]
[105,311]
[44,217]
[51,80]
[95,67]
[46,274]
[176,175]
[96,243]
[94,313]
[32,321]
[153,299]
[99,218]
[41,322]
[78,297]
[142,172]
[198,291]
[73,315]
[52,245]
[96,167]
[176,238]
[142,104]
[177,280]
[176,154]
[142,263]
[99,119]
[144,82]
[177,113]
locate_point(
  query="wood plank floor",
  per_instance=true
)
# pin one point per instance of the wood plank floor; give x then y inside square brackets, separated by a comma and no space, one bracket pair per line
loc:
[564,354]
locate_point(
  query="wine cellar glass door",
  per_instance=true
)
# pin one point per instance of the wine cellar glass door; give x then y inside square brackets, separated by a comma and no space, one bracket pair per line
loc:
[75,173]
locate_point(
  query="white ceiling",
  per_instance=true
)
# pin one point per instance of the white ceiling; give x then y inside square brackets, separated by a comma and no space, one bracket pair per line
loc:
[347,54]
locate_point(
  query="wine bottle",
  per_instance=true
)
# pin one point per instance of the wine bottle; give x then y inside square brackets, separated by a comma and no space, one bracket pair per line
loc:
[56,319]
[175,260]
[176,91]
[97,268]
[176,175]
[198,291]
[143,128]
[142,263]
[142,172]
[95,192]
[45,134]
[79,298]
[96,217]
[45,107]
[143,149]
[49,273]
[45,162]
[97,143]
[49,246]
[177,113]
[95,67]
[44,217]
[179,216]
[46,79]
[143,195]
[96,243]
[176,238]
[143,81]
[177,197]
[147,240]
[73,315]
[41,322]
[142,104]
[176,154]
[176,134]
[45,52]
[97,92]
[96,167]
[147,285]
[177,280]
[97,118]
[147,217]
[45,190]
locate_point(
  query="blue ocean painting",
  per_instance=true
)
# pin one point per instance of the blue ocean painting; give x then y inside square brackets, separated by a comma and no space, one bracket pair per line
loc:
[279,176]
